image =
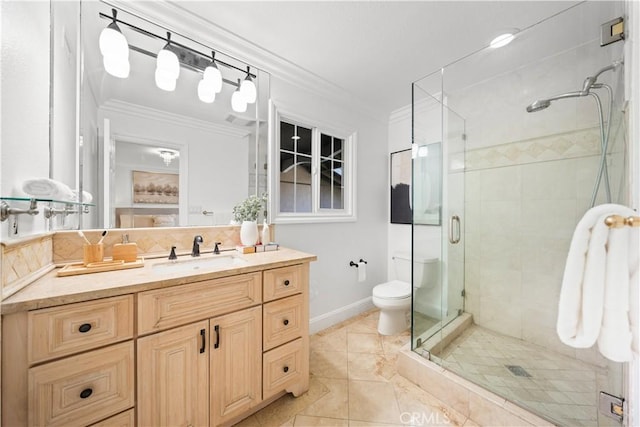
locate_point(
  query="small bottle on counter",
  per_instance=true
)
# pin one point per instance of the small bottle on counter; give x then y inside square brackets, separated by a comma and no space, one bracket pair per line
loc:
[266,235]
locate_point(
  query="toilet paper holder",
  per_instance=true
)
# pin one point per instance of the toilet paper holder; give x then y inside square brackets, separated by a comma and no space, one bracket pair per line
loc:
[355,264]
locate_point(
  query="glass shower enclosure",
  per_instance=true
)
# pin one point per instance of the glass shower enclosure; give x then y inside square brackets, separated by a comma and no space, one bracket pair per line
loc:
[497,192]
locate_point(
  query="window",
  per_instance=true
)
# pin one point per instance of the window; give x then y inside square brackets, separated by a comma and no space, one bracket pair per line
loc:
[312,173]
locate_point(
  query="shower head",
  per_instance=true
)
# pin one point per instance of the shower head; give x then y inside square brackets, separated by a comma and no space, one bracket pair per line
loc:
[541,104]
[538,105]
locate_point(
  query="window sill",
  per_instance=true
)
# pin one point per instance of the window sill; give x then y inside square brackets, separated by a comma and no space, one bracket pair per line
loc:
[313,218]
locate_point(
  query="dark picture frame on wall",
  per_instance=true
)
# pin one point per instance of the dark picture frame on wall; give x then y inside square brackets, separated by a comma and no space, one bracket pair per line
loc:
[400,178]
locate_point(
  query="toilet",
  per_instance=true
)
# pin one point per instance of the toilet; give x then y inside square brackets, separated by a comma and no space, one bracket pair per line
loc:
[394,298]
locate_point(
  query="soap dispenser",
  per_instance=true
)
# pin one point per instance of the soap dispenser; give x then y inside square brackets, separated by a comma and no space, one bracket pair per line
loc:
[128,252]
[266,235]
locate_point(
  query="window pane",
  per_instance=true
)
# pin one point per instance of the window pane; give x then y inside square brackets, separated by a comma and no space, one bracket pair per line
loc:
[326,182]
[286,136]
[338,193]
[337,148]
[325,145]
[304,141]
[287,182]
[286,161]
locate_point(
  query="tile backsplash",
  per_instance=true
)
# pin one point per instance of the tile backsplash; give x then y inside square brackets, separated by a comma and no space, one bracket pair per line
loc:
[23,259]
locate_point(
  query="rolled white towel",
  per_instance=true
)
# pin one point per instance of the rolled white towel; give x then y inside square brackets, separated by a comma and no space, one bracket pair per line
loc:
[86,196]
[47,188]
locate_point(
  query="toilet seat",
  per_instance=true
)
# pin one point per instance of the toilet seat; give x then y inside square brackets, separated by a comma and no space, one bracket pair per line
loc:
[394,289]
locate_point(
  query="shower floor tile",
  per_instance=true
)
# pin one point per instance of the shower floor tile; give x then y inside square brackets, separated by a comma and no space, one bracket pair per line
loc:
[560,387]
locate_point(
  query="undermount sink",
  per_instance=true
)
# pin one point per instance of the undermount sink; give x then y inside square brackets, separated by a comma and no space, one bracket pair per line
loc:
[198,264]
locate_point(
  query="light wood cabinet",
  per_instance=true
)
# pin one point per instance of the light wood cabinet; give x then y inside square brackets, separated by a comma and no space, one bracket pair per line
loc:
[236,357]
[173,377]
[205,353]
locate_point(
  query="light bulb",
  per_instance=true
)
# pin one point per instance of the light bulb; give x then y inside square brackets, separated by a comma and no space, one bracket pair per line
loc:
[502,40]
[248,90]
[206,92]
[165,81]
[238,102]
[117,67]
[113,42]
[213,77]
[168,61]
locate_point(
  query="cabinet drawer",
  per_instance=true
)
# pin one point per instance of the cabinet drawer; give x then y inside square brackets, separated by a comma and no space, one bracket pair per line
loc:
[283,367]
[60,331]
[124,419]
[282,282]
[83,389]
[282,321]
[178,305]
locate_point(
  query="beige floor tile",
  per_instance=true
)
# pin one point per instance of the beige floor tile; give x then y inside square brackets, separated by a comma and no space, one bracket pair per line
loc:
[328,364]
[367,324]
[334,404]
[307,421]
[364,343]
[422,405]
[288,406]
[333,341]
[355,423]
[251,421]
[371,366]
[373,402]
[391,344]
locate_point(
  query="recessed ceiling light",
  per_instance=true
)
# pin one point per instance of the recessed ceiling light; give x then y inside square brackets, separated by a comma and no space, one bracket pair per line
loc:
[502,40]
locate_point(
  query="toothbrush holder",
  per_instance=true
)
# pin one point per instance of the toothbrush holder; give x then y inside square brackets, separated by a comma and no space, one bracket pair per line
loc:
[93,253]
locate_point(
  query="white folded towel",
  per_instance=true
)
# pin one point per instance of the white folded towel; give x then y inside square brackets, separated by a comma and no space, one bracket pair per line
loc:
[595,287]
[48,188]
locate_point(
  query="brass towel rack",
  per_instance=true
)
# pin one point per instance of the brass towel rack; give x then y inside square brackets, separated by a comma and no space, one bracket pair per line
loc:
[618,221]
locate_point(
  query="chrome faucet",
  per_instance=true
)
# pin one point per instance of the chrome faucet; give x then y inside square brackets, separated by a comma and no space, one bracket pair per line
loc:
[197,241]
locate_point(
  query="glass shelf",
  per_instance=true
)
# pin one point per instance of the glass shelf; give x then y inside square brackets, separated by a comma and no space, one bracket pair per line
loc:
[39,199]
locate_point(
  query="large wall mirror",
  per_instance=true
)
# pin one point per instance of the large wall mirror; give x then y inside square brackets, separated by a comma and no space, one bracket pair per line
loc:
[151,157]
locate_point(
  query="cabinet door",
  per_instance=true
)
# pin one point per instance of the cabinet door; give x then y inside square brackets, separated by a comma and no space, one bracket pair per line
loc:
[236,364]
[173,377]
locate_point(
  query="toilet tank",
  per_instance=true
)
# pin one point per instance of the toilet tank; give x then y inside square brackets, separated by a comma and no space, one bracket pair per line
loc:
[426,269]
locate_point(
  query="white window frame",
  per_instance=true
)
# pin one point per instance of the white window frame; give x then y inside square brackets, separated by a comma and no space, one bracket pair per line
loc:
[317,215]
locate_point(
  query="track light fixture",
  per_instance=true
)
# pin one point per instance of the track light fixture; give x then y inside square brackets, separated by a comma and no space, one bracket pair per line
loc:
[169,60]
[114,49]
[248,88]
[167,67]
[238,100]
[211,82]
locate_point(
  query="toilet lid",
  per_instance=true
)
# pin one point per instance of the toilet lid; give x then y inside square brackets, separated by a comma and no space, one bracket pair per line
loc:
[395,289]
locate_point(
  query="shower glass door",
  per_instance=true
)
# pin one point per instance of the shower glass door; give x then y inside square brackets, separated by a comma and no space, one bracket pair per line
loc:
[438,153]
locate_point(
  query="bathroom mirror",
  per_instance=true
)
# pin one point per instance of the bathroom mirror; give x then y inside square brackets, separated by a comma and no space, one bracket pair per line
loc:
[215,156]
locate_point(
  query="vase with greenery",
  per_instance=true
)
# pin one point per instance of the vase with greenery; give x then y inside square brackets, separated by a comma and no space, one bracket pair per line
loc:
[246,213]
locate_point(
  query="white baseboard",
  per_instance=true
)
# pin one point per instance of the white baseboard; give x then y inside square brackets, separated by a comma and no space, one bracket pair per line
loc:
[326,320]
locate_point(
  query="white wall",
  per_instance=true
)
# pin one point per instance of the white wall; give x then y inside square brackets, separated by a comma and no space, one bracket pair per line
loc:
[334,284]
[25,104]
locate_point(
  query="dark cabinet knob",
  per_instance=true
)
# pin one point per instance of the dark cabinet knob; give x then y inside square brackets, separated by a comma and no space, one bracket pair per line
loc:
[86,393]
[286,282]
[286,322]
[85,327]
[286,369]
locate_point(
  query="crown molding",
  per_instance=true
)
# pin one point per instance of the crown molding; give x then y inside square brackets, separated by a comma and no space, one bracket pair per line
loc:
[140,111]
[174,17]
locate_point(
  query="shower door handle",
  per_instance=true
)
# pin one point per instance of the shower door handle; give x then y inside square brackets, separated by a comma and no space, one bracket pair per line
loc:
[454,224]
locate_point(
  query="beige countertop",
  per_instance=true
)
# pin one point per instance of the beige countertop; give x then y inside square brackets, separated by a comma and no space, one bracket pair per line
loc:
[51,290]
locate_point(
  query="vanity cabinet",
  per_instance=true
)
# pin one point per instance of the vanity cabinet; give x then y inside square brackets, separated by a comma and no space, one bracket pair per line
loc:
[219,357]
[201,353]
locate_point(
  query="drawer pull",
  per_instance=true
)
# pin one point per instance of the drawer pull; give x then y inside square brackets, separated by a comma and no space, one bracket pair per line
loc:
[204,340]
[286,282]
[217,330]
[286,322]
[86,393]
[286,369]
[85,327]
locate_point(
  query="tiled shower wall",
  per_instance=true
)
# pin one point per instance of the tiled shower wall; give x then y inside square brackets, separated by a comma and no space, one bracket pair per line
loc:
[523,201]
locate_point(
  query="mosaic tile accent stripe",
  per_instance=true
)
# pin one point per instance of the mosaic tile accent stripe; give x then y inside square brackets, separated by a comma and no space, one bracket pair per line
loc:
[24,259]
[568,145]
[67,245]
